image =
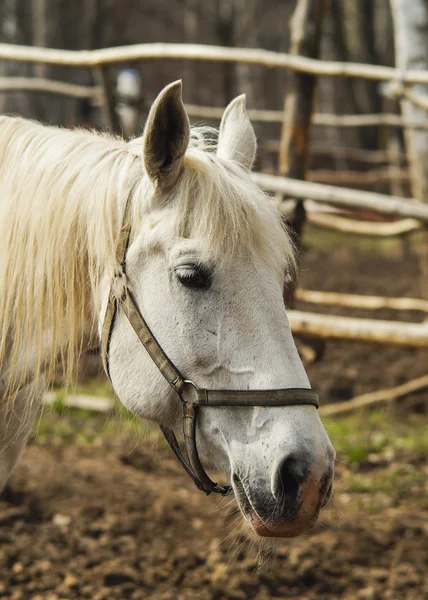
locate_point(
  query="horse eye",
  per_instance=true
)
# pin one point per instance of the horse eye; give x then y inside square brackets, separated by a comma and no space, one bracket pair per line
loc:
[194,276]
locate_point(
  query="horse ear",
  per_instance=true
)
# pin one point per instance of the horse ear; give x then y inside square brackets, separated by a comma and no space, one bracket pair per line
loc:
[237,140]
[166,136]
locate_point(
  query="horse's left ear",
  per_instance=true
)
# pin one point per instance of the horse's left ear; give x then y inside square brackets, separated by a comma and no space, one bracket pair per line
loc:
[166,136]
[237,140]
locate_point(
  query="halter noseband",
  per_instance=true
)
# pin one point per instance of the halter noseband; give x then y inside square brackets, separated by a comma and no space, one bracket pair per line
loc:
[121,296]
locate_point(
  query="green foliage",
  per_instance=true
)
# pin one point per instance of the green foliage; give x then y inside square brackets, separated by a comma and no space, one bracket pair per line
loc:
[381,458]
[364,435]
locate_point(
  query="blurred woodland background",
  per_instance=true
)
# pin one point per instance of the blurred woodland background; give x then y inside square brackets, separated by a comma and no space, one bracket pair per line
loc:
[352,31]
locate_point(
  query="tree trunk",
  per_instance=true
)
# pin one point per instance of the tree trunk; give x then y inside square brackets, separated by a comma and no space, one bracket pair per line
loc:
[225,30]
[39,27]
[246,34]
[295,137]
[411,51]
[14,19]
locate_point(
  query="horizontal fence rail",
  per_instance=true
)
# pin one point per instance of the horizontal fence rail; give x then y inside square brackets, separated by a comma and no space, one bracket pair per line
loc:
[366,228]
[362,302]
[393,333]
[375,157]
[366,178]
[371,398]
[319,119]
[38,84]
[62,88]
[366,120]
[81,401]
[94,58]
[394,206]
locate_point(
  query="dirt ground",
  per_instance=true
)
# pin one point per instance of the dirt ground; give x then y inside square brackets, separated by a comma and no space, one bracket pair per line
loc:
[111,518]
[367,267]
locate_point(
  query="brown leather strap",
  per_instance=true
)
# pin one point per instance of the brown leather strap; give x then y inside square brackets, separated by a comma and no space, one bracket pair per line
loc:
[111,309]
[150,343]
[194,466]
[106,331]
[174,445]
[285,397]
[203,482]
[124,234]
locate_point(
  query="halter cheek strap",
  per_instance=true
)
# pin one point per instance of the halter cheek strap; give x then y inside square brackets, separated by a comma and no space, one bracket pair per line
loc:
[120,296]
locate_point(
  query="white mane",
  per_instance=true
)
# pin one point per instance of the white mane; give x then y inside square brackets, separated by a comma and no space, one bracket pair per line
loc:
[62,196]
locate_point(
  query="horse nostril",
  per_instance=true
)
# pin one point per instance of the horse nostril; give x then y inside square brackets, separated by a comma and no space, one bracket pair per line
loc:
[291,473]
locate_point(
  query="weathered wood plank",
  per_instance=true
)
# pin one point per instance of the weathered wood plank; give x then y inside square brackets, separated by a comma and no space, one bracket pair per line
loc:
[361,302]
[318,119]
[394,206]
[367,228]
[392,333]
[91,58]
[40,84]
[82,401]
[371,398]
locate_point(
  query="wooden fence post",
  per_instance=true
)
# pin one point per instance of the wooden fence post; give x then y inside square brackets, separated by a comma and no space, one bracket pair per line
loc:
[108,106]
[306,27]
[410,20]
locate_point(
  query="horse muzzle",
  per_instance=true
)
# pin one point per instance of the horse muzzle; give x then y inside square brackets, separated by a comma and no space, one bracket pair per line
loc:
[288,504]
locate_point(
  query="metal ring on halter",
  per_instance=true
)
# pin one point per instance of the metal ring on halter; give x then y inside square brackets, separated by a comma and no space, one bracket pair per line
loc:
[196,389]
[191,383]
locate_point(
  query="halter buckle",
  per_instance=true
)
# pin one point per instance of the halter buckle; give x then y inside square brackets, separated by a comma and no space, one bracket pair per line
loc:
[119,285]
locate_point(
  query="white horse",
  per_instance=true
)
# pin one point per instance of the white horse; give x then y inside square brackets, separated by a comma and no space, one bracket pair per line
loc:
[206,262]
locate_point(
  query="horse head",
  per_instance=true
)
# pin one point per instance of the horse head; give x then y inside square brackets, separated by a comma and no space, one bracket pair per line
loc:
[206,265]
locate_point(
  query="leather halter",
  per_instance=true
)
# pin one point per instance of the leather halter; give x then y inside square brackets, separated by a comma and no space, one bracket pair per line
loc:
[121,296]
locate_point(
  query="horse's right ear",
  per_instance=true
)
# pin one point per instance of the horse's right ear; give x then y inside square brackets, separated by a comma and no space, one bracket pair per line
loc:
[166,136]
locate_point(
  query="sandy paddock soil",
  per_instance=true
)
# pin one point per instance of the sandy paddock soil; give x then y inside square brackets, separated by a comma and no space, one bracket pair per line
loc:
[114,519]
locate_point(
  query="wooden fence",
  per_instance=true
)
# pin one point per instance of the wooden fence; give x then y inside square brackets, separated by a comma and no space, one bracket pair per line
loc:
[412,215]
[200,52]
[99,60]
